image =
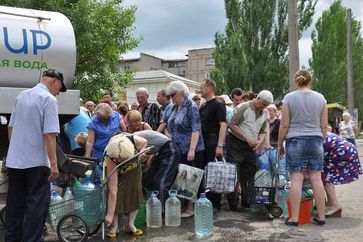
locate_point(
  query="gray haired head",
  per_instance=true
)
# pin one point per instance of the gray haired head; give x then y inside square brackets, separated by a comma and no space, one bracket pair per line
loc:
[142,90]
[177,87]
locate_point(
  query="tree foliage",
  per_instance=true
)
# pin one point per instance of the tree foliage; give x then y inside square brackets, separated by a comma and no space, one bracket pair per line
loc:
[252,53]
[103,30]
[329,56]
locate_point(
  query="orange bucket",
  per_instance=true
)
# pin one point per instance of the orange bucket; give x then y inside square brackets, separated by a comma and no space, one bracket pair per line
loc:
[305,210]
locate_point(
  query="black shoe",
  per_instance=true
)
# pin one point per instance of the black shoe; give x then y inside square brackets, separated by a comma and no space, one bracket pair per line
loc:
[318,222]
[237,208]
[290,223]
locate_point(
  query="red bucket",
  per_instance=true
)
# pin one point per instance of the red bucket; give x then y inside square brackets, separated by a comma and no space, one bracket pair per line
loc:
[305,210]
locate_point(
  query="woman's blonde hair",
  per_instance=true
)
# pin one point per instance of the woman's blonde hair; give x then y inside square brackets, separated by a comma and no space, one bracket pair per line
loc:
[120,147]
[303,77]
[81,138]
[103,110]
[133,115]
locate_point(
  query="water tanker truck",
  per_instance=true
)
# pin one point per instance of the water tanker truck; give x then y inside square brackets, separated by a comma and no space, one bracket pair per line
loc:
[32,41]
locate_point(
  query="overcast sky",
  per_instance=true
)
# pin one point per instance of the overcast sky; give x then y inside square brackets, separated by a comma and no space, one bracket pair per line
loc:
[171,27]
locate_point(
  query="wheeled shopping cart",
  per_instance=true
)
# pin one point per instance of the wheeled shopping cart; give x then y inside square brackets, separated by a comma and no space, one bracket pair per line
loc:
[82,216]
[86,210]
[265,196]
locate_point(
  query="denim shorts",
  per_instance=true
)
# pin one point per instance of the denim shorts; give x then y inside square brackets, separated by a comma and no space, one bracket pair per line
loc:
[304,152]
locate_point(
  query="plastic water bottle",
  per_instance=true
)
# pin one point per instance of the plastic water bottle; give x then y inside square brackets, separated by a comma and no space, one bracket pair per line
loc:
[262,178]
[88,199]
[153,211]
[56,212]
[203,217]
[172,210]
[68,201]
[282,194]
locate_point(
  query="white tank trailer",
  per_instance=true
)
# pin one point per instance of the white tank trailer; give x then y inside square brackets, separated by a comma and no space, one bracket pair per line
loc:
[32,41]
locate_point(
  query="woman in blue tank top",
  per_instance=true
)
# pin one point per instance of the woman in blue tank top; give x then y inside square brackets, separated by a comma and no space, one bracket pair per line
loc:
[303,127]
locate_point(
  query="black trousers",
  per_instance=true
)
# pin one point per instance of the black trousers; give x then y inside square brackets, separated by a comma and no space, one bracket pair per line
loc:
[27,204]
[245,158]
[161,174]
[210,145]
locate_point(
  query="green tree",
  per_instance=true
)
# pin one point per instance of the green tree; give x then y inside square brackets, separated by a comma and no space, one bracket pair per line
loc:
[329,56]
[103,30]
[252,52]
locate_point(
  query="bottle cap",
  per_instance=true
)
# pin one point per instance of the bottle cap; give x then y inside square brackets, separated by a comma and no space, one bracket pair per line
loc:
[202,195]
[172,193]
[154,194]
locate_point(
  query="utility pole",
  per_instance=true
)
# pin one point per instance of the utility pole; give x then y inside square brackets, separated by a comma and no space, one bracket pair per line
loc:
[350,87]
[294,64]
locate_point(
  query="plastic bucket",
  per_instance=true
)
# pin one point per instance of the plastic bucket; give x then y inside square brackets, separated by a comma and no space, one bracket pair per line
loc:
[305,210]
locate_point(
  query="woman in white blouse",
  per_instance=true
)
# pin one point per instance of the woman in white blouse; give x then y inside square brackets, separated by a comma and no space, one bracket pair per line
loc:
[347,128]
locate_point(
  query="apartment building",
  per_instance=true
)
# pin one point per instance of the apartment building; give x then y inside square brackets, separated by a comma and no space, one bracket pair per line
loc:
[195,67]
[200,61]
[151,63]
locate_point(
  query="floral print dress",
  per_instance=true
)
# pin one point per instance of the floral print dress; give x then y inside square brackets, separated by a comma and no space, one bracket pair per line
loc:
[341,161]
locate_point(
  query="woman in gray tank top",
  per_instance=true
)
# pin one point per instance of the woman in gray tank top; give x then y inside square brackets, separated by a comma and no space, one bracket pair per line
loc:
[303,127]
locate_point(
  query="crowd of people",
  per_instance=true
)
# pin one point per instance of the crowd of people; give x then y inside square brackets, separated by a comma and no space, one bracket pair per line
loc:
[195,129]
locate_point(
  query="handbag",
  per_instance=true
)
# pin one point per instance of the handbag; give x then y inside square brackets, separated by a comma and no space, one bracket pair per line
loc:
[187,182]
[220,176]
[78,165]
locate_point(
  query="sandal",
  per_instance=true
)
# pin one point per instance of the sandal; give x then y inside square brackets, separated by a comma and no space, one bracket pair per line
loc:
[112,235]
[318,222]
[137,232]
[291,223]
[333,213]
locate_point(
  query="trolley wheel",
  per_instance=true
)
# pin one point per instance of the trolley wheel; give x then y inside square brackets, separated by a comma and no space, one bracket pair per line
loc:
[275,211]
[3,215]
[72,228]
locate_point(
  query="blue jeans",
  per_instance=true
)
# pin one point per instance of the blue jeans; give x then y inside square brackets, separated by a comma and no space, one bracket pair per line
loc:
[304,152]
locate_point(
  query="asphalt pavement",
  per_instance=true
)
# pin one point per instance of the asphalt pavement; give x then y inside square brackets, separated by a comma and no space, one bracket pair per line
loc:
[248,226]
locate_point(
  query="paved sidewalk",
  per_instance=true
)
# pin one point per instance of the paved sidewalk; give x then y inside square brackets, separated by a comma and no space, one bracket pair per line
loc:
[234,226]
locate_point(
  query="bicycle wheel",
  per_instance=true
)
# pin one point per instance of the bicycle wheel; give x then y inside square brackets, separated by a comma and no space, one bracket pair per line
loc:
[2,215]
[72,228]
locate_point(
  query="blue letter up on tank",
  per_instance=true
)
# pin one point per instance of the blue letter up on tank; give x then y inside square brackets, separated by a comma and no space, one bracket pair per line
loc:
[45,42]
[23,49]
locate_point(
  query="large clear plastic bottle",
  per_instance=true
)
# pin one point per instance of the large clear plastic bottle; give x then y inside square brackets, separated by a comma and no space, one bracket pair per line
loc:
[68,200]
[172,210]
[90,199]
[203,217]
[55,210]
[282,194]
[262,178]
[153,211]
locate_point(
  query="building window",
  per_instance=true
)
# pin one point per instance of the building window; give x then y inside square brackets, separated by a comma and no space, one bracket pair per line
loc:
[124,68]
[207,75]
[209,62]
[176,64]
[172,64]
